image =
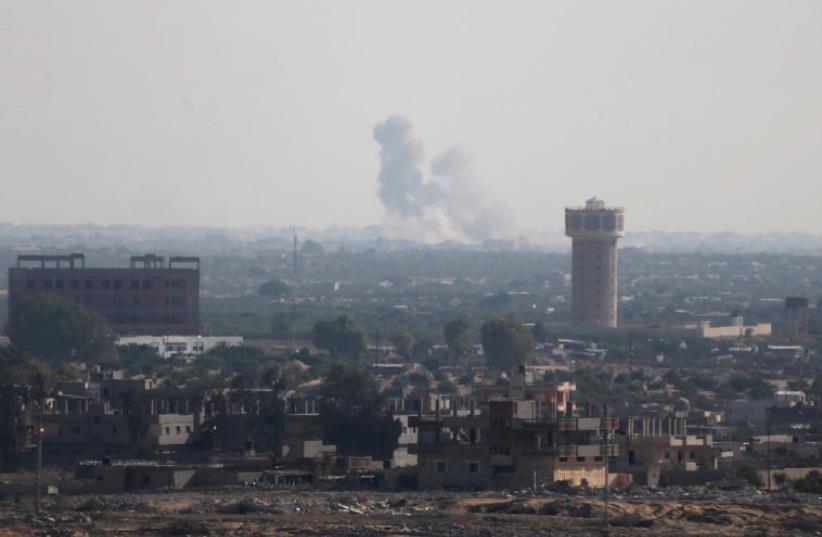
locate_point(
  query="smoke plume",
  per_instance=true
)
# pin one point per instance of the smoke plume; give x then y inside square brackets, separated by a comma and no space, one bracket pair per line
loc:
[448,205]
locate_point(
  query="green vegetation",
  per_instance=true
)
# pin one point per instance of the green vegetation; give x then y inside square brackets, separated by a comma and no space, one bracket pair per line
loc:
[26,380]
[60,330]
[340,337]
[404,343]
[139,359]
[753,387]
[507,343]
[18,370]
[458,338]
[351,414]
[274,289]
[812,483]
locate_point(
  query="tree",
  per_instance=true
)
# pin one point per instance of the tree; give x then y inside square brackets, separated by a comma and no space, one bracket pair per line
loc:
[17,369]
[23,380]
[507,342]
[458,338]
[404,343]
[539,331]
[274,289]
[339,336]
[139,359]
[57,330]
[350,385]
[311,247]
[754,387]
[498,301]
[352,416]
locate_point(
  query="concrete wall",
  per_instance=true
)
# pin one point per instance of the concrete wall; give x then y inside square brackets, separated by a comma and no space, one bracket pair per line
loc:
[171,430]
[780,477]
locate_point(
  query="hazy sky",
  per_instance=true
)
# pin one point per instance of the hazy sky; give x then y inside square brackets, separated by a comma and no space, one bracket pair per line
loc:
[694,115]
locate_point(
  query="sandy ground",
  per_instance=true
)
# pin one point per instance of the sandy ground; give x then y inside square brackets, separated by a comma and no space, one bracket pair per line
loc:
[317,513]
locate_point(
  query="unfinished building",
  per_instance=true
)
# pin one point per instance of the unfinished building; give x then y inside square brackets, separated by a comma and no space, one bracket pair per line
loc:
[516,443]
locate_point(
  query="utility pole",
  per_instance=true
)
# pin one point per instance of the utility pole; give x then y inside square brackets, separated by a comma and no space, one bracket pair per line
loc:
[294,292]
[377,346]
[605,458]
[39,478]
[768,450]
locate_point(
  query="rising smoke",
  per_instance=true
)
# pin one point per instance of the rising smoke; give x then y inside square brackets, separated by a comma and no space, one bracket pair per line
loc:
[448,205]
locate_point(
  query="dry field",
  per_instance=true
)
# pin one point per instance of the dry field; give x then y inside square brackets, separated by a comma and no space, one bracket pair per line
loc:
[243,512]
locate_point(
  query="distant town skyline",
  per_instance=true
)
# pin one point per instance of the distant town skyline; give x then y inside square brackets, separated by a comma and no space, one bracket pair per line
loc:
[695,116]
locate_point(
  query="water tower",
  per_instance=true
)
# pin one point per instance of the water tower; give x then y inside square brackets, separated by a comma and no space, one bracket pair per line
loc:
[594,230]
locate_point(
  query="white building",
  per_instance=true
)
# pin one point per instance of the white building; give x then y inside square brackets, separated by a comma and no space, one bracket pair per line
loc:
[168,346]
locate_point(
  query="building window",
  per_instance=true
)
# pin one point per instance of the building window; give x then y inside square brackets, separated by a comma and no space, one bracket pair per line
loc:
[580,459]
[168,430]
[106,284]
[146,284]
[75,284]
[473,467]
[48,284]
[563,459]
[59,284]
[135,284]
[188,428]
[179,429]
[440,466]
[117,284]
[88,284]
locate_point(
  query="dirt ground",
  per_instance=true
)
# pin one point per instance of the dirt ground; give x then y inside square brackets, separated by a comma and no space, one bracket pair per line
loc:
[251,512]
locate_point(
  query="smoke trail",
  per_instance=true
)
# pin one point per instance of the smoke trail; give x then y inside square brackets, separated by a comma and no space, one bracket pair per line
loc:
[448,206]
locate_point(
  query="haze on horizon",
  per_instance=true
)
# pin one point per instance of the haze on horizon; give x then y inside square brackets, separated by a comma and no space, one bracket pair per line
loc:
[699,116]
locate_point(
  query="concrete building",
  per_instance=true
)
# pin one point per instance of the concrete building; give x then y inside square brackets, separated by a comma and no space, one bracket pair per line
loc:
[515,434]
[168,346]
[120,416]
[700,330]
[796,315]
[148,297]
[659,450]
[514,444]
[594,230]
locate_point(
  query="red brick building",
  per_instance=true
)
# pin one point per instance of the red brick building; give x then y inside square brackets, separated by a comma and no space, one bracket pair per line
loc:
[149,297]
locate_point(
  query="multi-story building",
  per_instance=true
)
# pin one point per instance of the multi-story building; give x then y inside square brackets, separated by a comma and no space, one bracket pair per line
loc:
[123,416]
[149,297]
[517,434]
[517,443]
[796,315]
[594,230]
[659,450]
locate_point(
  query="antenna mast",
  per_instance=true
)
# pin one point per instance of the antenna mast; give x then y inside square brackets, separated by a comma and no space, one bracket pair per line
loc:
[294,293]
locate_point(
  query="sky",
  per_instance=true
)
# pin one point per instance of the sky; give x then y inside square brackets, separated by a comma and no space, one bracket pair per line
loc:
[693,115]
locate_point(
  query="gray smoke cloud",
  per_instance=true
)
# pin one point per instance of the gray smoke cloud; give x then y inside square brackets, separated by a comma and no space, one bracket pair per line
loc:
[448,205]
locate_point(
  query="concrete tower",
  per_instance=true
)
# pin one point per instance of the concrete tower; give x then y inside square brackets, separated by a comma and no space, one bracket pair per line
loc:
[594,230]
